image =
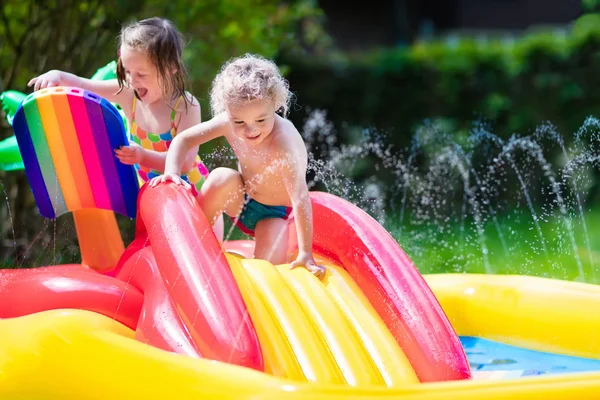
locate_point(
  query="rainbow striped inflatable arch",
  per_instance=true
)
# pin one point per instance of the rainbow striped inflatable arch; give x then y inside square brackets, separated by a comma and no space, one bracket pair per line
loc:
[67,137]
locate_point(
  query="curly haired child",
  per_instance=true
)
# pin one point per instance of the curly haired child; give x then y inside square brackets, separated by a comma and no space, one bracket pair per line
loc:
[271,182]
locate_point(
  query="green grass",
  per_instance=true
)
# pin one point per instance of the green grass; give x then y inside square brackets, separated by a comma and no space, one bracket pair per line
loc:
[439,247]
[443,247]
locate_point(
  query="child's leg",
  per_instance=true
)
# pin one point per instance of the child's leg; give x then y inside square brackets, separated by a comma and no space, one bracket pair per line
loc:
[271,237]
[223,191]
[219,228]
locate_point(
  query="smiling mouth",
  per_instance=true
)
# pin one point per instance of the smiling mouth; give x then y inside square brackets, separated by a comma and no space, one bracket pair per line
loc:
[141,92]
[252,137]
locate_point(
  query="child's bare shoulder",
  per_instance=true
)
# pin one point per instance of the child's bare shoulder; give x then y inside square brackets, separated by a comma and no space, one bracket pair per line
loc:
[190,112]
[290,145]
[288,136]
[190,106]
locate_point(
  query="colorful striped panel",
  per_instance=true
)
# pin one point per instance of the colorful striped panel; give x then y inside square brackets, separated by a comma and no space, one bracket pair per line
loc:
[67,138]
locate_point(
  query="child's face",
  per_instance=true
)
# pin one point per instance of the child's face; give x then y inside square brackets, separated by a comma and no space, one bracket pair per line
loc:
[253,122]
[141,74]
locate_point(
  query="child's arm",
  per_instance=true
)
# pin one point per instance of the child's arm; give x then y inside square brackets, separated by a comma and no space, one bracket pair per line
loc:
[156,160]
[107,89]
[186,141]
[295,182]
[303,216]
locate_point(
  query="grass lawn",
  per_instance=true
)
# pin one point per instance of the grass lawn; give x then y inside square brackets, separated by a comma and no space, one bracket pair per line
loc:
[457,247]
[519,248]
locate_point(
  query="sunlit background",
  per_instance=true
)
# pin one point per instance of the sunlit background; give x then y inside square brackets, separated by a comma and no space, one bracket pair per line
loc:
[466,127]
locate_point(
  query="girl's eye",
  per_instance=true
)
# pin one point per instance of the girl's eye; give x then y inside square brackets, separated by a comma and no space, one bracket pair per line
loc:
[260,121]
[141,75]
[238,122]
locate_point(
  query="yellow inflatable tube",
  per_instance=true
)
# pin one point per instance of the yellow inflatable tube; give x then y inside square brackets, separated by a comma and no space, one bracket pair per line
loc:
[74,354]
[535,313]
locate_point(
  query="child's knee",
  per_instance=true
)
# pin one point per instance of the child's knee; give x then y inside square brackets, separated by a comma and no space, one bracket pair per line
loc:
[224,179]
[223,191]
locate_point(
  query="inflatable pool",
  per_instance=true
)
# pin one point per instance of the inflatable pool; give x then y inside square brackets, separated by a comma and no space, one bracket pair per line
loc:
[176,313]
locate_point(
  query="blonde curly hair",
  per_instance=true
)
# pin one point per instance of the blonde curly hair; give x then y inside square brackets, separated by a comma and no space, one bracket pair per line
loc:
[247,78]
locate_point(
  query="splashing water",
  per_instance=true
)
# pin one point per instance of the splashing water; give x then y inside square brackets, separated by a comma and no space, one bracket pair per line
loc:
[478,203]
[477,138]
[451,156]
[12,225]
[534,149]
[447,200]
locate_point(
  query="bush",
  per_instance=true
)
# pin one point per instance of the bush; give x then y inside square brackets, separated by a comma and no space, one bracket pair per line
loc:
[514,84]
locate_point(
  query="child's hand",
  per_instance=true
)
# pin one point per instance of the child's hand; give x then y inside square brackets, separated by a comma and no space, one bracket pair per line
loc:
[49,79]
[306,260]
[169,177]
[131,154]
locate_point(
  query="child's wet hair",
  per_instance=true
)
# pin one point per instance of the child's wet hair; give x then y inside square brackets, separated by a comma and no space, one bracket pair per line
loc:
[248,78]
[163,44]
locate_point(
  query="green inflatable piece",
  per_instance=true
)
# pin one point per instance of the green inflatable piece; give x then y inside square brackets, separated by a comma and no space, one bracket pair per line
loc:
[109,71]
[10,156]
[11,99]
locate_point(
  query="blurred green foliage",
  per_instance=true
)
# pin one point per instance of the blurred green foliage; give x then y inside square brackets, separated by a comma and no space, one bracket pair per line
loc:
[515,84]
[512,84]
[80,37]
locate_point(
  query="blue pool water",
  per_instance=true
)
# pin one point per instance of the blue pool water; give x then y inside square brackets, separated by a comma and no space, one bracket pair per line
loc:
[488,355]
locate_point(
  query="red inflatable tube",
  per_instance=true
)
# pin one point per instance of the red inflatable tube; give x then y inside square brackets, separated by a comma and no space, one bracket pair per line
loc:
[159,324]
[197,276]
[392,284]
[27,291]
